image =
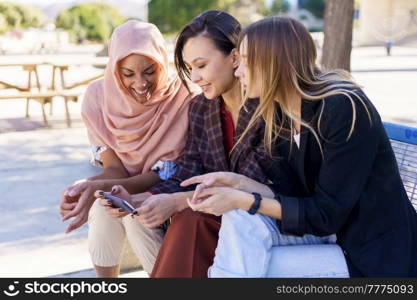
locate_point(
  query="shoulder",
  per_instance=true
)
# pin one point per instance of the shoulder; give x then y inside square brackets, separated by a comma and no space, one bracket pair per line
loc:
[93,97]
[347,106]
[95,88]
[199,105]
[199,102]
[346,100]
[342,113]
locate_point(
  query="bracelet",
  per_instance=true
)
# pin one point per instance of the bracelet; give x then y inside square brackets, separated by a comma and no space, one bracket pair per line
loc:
[256,204]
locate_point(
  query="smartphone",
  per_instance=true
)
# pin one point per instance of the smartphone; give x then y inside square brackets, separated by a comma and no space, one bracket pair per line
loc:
[119,203]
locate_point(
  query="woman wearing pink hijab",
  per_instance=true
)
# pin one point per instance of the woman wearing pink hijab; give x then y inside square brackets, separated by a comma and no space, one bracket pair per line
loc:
[136,118]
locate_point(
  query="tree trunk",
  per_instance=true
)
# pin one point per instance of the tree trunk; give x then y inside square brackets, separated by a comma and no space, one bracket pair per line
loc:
[337,45]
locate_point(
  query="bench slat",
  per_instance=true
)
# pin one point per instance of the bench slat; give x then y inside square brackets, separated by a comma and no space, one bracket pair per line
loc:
[39,95]
[45,98]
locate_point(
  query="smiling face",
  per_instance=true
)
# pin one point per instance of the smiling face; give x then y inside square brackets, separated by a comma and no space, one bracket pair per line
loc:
[251,85]
[209,67]
[140,75]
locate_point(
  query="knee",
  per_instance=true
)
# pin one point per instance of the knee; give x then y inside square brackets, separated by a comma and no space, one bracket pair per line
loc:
[136,228]
[239,220]
[99,222]
[96,211]
[238,217]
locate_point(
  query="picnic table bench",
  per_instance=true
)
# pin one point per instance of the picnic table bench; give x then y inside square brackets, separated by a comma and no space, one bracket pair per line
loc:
[33,89]
[45,98]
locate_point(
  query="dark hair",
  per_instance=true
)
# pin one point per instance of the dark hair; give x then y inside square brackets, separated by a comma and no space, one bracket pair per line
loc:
[219,26]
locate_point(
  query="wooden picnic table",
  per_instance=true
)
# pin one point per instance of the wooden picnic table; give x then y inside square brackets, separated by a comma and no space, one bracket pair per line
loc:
[58,66]
[31,68]
[44,98]
[61,65]
[34,90]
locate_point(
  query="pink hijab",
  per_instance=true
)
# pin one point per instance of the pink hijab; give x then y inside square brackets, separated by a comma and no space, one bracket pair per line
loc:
[139,134]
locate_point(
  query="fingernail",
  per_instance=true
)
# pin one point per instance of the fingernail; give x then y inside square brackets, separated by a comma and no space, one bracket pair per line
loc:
[109,202]
[121,210]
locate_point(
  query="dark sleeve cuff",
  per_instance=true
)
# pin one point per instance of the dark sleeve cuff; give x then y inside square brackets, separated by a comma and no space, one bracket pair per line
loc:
[168,187]
[291,218]
[154,190]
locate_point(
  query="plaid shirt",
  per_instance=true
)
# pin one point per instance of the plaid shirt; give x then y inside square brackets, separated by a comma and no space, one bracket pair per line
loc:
[205,152]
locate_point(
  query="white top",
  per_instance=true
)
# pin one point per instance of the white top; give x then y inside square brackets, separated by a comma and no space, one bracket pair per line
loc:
[297,139]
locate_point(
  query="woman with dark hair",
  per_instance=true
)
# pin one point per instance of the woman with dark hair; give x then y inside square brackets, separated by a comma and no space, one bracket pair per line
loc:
[205,53]
[333,170]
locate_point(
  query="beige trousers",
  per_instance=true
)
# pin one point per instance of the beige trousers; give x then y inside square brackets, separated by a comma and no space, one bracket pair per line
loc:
[107,237]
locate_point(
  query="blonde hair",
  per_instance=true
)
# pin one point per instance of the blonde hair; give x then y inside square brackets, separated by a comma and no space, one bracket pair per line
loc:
[282,53]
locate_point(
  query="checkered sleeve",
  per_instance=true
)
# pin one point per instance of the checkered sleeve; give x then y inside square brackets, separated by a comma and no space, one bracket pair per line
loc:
[189,163]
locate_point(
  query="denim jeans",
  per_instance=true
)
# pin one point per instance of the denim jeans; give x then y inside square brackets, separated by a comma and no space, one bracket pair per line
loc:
[253,246]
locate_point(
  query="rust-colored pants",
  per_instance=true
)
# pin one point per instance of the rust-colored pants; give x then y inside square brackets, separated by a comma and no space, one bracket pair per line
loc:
[188,246]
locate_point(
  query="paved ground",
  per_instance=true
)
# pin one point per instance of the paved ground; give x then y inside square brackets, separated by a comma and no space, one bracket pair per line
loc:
[35,166]
[389,81]
[37,163]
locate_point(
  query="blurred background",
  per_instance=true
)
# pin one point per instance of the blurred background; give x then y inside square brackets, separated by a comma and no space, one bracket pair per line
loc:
[51,49]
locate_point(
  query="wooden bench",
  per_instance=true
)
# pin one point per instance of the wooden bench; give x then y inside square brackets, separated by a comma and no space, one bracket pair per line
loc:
[45,98]
[404,143]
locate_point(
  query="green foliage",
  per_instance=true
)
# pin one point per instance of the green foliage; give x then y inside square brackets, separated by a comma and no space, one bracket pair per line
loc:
[171,15]
[15,15]
[93,21]
[3,23]
[316,7]
[277,7]
[245,11]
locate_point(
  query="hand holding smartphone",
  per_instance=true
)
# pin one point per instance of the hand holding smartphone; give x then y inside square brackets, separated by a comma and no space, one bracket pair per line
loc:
[119,202]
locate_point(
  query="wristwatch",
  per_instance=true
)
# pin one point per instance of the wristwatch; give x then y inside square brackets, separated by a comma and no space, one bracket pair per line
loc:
[256,204]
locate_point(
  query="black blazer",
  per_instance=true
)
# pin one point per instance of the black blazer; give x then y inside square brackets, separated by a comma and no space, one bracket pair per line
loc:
[354,190]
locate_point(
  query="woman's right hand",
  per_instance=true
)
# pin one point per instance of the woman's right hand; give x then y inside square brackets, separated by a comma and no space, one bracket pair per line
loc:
[76,201]
[226,179]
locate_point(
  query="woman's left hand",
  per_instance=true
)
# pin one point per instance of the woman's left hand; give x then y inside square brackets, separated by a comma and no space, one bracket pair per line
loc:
[156,209]
[229,179]
[214,179]
[219,200]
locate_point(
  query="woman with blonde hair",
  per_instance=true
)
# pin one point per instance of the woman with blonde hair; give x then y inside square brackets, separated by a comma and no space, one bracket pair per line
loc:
[332,168]
[137,121]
